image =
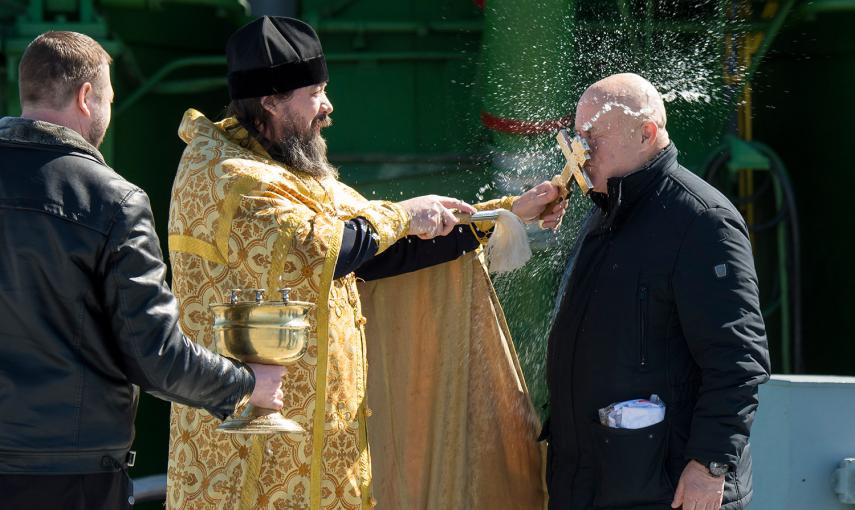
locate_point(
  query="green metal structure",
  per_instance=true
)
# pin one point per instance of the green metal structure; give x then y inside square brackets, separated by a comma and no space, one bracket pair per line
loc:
[453,97]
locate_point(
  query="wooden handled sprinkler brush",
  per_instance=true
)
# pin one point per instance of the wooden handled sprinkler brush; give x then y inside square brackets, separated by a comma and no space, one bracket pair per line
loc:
[508,247]
[466,219]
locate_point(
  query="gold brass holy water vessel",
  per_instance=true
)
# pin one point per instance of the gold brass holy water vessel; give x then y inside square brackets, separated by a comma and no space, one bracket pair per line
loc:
[266,332]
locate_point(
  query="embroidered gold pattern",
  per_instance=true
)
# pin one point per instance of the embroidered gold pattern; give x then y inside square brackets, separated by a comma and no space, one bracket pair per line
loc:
[238,220]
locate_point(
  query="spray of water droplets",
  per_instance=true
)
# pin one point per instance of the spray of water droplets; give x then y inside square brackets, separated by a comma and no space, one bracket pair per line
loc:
[681,48]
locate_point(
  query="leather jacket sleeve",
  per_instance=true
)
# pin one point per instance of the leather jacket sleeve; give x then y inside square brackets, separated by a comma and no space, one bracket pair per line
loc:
[157,356]
[717,298]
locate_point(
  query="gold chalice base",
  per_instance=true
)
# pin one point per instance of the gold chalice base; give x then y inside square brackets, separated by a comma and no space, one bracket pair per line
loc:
[258,420]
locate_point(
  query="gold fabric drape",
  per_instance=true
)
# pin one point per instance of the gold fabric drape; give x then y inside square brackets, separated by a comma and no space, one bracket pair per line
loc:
[453,426]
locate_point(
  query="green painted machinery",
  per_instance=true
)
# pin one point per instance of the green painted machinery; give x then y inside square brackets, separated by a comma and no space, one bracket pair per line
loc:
[463,98]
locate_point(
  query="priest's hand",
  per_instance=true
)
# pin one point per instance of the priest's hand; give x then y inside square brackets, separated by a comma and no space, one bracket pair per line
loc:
[540,203]
[268,386]
[431,216]
[698,489]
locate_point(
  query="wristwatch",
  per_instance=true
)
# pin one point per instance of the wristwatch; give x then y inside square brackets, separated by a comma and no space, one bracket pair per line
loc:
[718,468]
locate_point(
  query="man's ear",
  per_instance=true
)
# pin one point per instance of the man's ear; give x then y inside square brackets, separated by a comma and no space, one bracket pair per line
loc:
[269,103]
[649,130]
[84,93]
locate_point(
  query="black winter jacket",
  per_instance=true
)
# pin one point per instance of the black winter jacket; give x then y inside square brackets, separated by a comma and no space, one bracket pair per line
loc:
[661,298]
[85,315]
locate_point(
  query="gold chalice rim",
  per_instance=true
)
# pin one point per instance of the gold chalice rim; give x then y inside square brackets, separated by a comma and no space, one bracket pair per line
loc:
[276,304]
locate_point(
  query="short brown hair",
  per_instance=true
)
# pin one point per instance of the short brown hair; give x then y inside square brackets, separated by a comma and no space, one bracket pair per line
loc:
[56,64]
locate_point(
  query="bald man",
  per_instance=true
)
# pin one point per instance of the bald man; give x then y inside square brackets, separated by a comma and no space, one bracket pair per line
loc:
[660,297]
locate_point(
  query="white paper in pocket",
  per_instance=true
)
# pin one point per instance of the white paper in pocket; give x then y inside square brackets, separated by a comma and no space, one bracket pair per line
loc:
[633,414]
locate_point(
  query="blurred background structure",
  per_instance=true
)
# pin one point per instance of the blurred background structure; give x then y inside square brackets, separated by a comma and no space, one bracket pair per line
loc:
[463,98]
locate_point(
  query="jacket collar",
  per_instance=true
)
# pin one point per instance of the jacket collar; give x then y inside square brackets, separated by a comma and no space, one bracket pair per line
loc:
[36,132]
[625,191]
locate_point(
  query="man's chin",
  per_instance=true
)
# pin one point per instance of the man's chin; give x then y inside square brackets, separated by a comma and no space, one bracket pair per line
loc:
[595,179]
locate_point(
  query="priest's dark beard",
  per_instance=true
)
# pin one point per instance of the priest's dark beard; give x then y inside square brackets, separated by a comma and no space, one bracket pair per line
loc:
[306,152]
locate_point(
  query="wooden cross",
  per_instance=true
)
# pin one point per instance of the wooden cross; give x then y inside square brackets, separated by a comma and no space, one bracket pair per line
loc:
[577,153]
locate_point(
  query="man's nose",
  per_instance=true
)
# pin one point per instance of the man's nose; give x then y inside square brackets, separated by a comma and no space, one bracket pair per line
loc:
[326,106]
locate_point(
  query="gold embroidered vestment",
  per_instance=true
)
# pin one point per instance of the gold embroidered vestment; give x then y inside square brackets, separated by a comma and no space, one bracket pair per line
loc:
[240,220]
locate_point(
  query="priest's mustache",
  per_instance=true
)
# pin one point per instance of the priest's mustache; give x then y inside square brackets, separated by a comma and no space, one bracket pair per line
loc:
[322,121]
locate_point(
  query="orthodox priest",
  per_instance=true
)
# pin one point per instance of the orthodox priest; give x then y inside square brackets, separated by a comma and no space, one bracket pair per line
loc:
[256,203]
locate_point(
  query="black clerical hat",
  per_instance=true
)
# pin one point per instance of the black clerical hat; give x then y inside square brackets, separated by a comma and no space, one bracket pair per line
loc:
[273,55]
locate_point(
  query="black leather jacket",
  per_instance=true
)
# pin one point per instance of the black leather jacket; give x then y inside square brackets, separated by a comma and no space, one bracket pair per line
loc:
[85,316]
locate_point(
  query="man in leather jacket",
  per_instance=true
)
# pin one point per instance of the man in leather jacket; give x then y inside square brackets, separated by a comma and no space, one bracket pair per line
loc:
[86,319]
[661,298]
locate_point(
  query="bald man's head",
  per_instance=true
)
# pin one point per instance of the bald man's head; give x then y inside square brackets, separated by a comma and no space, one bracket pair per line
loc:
[632,92]
[623,118]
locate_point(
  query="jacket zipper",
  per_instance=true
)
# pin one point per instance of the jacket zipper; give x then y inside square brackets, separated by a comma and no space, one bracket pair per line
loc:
[642,307]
